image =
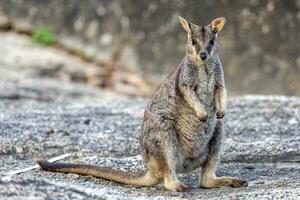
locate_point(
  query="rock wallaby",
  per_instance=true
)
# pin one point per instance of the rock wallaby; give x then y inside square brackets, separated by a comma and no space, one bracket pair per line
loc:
[182,125]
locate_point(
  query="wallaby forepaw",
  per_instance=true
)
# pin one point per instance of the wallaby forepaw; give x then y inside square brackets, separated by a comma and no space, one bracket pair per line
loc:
[202,115]
[220,114]
[177,187]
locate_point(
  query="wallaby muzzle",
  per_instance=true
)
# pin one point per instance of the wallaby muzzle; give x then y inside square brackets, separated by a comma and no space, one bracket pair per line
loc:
[203,55]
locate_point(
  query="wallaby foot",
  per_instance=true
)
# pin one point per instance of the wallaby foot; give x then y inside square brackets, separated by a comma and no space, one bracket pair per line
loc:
[223,181]
[171,181]
[176,186]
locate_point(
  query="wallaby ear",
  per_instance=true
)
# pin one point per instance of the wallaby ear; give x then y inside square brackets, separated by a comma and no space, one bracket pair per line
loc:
[185,24]
[217,24]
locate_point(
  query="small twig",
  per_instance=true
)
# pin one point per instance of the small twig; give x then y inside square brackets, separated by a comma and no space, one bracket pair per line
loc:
[36,166]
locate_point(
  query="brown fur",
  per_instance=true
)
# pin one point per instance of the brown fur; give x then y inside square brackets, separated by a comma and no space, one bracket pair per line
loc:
[180,131]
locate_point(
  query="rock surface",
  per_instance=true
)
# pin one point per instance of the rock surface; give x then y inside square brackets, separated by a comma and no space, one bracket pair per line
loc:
[261,145]
[45,116]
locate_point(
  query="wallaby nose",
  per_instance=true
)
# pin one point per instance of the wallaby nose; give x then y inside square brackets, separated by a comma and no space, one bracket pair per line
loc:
[203,55]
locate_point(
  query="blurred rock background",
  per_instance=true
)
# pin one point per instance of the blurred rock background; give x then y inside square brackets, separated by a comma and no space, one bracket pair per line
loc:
[137,43]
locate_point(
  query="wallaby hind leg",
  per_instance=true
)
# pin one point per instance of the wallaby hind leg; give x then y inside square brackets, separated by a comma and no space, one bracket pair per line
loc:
[208,177]
[171,159]
[153,175]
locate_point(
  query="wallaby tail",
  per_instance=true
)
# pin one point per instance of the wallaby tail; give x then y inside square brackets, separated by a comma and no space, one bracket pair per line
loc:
[144,179]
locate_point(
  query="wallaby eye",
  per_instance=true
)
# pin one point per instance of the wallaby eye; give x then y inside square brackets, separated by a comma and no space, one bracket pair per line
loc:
[212,41]
[194,41]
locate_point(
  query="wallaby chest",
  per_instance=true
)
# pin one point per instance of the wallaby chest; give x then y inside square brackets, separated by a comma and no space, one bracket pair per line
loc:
[194,134]
[205,85]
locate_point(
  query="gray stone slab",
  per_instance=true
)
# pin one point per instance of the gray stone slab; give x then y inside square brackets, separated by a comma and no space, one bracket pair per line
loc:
[261,145]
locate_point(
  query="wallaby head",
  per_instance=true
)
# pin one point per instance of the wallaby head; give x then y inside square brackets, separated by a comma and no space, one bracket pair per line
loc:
[202,40]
